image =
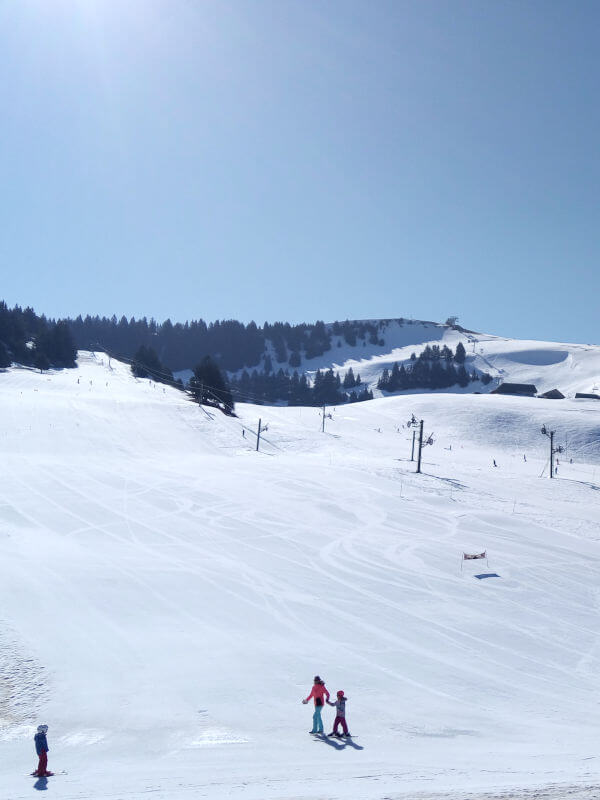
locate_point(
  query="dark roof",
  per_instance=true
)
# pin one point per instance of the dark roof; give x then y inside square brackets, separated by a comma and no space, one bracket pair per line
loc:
[588,396]
[553,394]
[515,388]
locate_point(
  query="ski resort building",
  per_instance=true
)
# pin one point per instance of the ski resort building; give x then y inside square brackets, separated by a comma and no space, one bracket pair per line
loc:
[520,389]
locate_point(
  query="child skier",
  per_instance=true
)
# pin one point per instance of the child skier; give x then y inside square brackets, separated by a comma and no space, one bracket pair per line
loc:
[318,691]
[41,748]
[340,714]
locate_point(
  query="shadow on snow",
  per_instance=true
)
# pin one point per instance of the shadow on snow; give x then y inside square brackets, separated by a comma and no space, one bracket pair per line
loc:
[338,744]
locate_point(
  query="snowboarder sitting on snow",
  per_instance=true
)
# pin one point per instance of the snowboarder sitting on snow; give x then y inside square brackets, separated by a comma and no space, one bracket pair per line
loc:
[318,691]
[41,748]
[340,711]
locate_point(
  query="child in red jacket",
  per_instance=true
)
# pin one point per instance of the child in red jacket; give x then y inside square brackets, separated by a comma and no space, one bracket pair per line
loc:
[340,718]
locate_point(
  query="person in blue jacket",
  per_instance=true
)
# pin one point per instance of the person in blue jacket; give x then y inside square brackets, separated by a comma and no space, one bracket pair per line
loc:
[41,748]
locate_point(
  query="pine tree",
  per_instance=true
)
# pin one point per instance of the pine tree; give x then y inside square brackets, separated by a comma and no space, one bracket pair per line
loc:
[41,361]
[63,352]
[384,381]
[402,378]
[146,364]
[394,383]
[349,379]
[5,360]
[462,376]
[460,354]
[447,354]
[208,386]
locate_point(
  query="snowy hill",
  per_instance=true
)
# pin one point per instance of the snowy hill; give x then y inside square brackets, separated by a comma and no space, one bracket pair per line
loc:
[571,368]
[167,593]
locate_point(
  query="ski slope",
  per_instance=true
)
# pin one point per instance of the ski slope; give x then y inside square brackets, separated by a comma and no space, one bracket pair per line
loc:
[571,368]
[167,594]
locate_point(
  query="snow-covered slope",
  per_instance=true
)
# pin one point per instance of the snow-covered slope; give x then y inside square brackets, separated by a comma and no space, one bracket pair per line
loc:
[167,593]
[571,368]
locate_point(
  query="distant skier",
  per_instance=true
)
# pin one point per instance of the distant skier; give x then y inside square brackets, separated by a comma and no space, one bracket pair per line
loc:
[340,711]
[524,457]
[319,693]
[41,748]
[494,460]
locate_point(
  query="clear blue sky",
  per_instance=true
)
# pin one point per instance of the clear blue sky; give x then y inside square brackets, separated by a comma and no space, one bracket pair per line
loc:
[304,159]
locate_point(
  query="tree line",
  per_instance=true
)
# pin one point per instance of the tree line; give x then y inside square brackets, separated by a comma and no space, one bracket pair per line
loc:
[327,388]
[233,344]
[433,368]
[34,341]
[207,385]
[155,350]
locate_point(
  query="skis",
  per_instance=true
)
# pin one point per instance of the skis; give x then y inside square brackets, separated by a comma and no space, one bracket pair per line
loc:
[48,774]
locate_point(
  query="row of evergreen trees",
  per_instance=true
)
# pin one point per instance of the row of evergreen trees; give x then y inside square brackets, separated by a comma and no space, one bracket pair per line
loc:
[235,344]
[433,368]
[35,341]
[147,364]
[207,385]
[296,390]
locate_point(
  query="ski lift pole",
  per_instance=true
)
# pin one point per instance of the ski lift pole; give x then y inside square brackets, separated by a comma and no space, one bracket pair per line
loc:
[412,423]
[420,445]
[323,428]
[553,450]
[258,435]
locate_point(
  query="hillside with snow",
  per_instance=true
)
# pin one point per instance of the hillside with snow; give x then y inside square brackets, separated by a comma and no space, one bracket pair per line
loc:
[167,592]
[571,368]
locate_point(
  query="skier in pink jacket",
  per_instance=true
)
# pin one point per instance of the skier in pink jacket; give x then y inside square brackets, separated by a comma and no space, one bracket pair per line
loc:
[340,718]
[319,693]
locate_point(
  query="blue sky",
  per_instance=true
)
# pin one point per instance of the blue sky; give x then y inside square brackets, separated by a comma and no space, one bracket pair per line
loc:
[282,160]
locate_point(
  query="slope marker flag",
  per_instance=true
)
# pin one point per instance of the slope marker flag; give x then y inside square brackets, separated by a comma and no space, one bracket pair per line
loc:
[472,556]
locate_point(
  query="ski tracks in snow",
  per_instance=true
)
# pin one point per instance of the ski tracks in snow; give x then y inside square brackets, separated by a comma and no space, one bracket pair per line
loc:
[23,686]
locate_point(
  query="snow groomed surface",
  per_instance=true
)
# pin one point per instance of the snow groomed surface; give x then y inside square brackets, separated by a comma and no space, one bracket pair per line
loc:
[167,594]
